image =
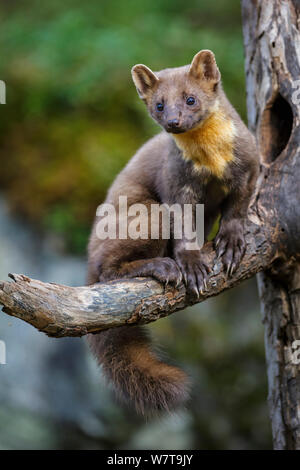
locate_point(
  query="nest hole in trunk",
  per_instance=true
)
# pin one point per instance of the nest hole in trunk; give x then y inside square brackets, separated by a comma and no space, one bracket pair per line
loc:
[276,128]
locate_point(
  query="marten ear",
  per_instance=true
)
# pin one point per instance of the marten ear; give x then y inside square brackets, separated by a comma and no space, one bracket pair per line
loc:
[144,79]
[204,67]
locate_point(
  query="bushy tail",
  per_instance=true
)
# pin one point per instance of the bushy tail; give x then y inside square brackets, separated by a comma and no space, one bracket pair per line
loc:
[138,375]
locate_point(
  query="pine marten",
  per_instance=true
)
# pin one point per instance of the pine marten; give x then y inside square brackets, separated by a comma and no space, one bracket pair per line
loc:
[206,155]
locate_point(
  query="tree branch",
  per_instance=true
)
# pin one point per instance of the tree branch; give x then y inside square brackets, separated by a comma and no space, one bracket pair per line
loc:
[271,35]
[59,310]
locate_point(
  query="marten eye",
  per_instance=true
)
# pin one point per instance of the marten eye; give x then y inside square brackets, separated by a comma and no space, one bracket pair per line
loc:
[159,106]
[190,100]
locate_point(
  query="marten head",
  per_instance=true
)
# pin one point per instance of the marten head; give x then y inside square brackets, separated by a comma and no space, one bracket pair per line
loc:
[179,99]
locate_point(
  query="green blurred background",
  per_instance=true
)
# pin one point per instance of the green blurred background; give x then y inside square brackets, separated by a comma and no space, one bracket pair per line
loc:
[71,122]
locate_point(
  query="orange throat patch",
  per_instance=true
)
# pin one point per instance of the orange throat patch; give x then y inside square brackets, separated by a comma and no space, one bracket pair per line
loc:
[210,145]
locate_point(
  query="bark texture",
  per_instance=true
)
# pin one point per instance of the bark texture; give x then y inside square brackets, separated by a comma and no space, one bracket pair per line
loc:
[272,48]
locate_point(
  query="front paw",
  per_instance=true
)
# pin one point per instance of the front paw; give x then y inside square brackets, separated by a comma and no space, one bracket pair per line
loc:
[194,269]
[230,245]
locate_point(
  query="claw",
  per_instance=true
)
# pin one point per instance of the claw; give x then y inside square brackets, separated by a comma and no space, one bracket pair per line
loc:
[196,292]
[228,270]
[232,269]
[207,269]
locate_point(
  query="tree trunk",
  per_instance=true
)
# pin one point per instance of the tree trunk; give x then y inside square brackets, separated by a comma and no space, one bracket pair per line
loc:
[272,48]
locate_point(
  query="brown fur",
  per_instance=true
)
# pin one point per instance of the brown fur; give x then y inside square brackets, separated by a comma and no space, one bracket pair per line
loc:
[204,155]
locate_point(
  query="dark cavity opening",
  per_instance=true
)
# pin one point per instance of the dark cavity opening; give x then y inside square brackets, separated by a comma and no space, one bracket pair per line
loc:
[276,128]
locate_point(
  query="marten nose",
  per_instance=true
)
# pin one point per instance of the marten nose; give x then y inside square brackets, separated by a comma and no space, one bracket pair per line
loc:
[173,123]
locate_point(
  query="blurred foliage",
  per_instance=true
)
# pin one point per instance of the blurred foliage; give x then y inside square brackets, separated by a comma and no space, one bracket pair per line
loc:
[73,117]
